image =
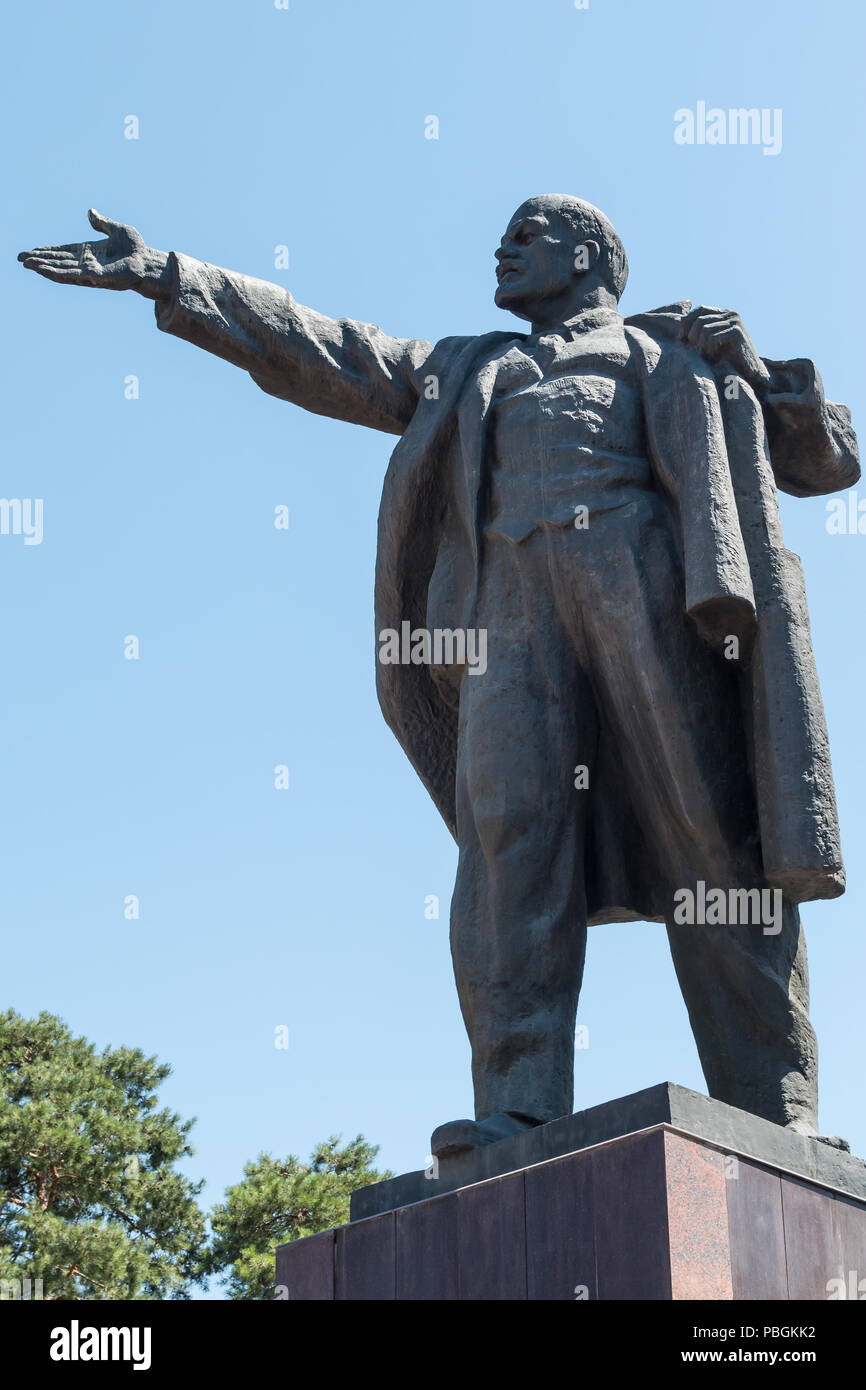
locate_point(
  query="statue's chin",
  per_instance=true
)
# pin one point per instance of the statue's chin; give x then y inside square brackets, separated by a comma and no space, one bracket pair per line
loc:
[513,303]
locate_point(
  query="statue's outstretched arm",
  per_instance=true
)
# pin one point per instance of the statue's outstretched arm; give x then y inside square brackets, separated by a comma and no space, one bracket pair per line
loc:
[338,367]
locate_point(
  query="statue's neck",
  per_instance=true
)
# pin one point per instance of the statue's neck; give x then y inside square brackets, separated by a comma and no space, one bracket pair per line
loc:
[555,312]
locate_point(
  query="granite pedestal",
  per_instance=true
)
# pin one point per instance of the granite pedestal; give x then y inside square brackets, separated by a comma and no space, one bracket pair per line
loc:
[663,1195]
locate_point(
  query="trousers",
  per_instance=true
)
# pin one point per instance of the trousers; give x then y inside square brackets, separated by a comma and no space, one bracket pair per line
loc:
[589,641]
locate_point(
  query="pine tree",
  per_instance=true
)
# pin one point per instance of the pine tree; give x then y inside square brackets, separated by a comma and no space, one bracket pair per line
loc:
[90,1202]
[281,1200]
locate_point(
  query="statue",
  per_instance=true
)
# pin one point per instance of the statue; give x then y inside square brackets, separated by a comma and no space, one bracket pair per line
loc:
[594,646]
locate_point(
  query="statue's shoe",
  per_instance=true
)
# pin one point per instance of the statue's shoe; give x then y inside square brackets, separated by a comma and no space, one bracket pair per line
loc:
[459,1136]
[834,1140]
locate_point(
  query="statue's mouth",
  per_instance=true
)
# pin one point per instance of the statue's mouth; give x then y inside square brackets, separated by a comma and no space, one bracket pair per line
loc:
[507,272]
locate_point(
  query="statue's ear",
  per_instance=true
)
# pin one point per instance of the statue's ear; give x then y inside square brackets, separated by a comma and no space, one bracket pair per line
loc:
[586,253]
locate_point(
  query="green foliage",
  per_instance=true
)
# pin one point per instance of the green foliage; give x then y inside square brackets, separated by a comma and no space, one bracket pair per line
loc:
[89,1200]
[282,1200]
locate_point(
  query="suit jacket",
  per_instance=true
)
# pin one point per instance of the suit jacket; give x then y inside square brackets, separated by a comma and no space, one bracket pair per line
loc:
[718,454]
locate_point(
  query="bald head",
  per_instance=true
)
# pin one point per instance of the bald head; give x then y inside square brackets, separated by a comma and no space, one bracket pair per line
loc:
[559,253]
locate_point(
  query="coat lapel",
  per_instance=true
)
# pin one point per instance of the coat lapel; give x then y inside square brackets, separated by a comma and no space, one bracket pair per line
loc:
[473,418]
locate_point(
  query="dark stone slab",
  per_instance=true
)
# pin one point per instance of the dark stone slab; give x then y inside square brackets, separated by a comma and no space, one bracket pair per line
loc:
[305,1268]
[492,1240]
[631,1220]
[366,1264]
[560,1230]
[814,1240]
[554,1140]
[853,1224]
[733,1130]
[756,1232]
[427,1250]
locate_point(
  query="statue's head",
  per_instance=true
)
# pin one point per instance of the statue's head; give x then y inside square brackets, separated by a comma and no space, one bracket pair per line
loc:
[557,250]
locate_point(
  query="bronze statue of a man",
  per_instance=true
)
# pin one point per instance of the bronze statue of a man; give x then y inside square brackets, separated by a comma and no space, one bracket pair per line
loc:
[646,738]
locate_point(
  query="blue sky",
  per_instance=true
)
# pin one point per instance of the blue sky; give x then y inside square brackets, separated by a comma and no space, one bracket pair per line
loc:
[305,127]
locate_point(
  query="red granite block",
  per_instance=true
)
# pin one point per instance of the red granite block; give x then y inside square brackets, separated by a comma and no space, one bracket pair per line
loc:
[756,1230]
[853,1224]
[631,1219]
[813,1239]
[697,1220]
[305,1268]
[365,1265]
[427,1250]
[492,1240]
[560,1230]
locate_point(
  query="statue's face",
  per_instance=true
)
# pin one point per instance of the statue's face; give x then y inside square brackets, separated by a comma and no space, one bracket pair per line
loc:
[535,259]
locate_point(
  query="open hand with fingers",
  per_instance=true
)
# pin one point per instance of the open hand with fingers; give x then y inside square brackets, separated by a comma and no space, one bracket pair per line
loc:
[122,262]
[719,335]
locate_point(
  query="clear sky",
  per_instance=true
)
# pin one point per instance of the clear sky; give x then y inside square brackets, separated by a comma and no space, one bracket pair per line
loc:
[305,127]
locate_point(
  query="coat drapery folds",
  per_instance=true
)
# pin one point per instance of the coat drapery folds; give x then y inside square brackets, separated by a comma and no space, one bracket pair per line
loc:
[718,457]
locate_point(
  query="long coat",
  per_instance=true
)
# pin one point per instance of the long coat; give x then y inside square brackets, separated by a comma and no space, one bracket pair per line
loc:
[718,455]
